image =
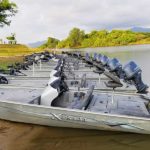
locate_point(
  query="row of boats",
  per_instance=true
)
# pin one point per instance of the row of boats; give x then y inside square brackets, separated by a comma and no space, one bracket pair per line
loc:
[76,90]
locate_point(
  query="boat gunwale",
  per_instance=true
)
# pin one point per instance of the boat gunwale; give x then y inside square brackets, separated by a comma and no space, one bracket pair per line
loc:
[74,110]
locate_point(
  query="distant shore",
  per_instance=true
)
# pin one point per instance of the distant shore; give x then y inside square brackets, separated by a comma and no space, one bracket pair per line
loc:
[134,47]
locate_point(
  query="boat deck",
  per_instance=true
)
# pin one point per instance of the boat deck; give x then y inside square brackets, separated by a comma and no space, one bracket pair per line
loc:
[122,105]
[28,83]
[19,94]
[103,103]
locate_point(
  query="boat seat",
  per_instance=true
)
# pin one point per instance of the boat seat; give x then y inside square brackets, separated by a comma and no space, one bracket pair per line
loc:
[81,101]
[99,66]
[112,84]
[88,65]
[75,83]
[98,71]
[112,77]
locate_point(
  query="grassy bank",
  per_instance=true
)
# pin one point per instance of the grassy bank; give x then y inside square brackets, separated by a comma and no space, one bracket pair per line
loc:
[7,50]
[10,54]
[5,61]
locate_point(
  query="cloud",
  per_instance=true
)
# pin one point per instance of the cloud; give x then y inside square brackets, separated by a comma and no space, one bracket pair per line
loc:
[36,20]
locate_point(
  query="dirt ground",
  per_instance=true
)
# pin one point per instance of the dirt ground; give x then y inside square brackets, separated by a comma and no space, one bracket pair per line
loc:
[19,136]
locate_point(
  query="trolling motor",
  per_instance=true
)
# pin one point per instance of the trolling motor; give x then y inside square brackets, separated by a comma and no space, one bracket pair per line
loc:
[45,57]
[133,75]
[56,69]
[60,73]
[13,70]
[59,69]
[3,80]
[21,66]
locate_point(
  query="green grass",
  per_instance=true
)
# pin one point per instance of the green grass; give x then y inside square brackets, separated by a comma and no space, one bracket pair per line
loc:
[4,62]
[16,50]
[9,54]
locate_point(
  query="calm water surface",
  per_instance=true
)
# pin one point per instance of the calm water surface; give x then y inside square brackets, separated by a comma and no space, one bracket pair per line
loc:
[17,136]
[140,54]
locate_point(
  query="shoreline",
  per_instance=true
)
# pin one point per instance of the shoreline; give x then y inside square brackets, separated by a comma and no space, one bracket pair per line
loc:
[136,47]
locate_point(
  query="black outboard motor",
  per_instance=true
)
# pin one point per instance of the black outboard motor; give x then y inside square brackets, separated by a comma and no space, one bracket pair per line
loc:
[87,56]
[78,55]
[98,59]
[95,57]
[133,75]
[25,66]
[115,66]
[60,73]
[88,60]
[104,60]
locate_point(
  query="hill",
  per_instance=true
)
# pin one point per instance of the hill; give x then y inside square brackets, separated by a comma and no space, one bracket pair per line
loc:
[140,29]
[36,44]
[15,50]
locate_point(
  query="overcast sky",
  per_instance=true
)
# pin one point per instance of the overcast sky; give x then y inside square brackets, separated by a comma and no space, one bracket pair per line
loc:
[38,19]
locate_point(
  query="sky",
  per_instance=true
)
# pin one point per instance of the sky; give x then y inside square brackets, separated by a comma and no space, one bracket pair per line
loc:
[38,19]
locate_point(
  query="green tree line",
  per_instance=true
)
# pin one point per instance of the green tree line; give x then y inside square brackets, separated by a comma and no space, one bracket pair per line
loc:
[77,38]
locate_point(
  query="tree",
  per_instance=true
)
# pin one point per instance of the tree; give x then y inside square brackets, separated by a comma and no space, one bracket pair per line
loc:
[7,10]
[51,43]
[12,38]
[75,37]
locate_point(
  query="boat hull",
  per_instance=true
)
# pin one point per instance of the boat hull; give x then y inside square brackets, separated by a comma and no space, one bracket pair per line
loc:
[59,117]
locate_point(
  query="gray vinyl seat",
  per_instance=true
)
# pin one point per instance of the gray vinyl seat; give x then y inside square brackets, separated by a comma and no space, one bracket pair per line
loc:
[81,101]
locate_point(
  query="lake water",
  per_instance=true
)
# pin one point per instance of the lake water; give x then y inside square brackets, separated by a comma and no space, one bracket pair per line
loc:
[17,136]
[140,54]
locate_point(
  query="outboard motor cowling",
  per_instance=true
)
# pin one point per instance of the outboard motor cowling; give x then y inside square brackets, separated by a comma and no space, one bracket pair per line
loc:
[104,60]
[95,56]
[98,59]
[133,73]
[87,56]
[115,66]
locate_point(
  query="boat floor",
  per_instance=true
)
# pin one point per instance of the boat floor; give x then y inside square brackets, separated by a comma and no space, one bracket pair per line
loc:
[124,105]
[99,85]
[103,103]
[19,95]
[27,83]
